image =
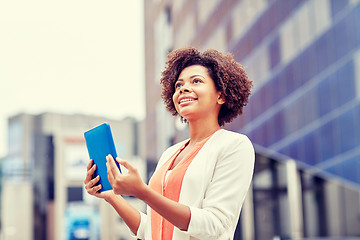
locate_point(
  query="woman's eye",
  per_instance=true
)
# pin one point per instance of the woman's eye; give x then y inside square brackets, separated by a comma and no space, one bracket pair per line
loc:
[196,81]
[177,85]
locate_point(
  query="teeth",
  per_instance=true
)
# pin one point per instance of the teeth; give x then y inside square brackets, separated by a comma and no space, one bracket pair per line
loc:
[186,100]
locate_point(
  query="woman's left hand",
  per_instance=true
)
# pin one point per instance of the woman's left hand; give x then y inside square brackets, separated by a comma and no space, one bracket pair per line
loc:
[124,184]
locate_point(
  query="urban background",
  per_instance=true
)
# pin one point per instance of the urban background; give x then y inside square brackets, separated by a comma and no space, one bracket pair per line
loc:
[303,115]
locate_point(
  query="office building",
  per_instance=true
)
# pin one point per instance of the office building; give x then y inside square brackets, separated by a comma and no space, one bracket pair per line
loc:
[304,59]
[43,196]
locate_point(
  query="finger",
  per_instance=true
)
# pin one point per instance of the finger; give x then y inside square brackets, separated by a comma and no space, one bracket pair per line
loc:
[88,167]
[90,184]
[126,164]
[90,173]
[109,173]
[92,169]
[111,177]
[94,181]
[95,190]
[91,162]
[113,168]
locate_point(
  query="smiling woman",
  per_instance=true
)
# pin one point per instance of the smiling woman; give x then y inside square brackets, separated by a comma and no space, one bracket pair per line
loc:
[199,185]
[228,75]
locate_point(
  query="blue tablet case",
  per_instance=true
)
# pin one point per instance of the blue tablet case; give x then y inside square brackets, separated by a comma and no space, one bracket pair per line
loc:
[100,143]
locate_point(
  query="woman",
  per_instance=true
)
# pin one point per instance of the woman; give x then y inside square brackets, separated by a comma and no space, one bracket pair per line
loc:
[199,185]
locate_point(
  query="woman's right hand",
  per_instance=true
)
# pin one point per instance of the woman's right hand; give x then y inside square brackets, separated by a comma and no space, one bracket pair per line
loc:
[90,183]
[127,212]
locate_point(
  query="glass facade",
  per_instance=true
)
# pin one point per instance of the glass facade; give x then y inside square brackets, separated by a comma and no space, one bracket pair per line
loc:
[304,59]
[308,106]
[322,208]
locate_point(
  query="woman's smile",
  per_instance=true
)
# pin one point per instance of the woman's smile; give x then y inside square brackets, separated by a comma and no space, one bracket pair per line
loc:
[183,101]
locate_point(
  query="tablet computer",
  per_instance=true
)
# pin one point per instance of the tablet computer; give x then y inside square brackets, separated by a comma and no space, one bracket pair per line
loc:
[100,143]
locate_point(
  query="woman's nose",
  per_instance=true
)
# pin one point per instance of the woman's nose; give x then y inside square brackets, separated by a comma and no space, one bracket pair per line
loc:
[184,88]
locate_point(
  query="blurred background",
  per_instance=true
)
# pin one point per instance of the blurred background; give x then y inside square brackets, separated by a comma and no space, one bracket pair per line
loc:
[68,66]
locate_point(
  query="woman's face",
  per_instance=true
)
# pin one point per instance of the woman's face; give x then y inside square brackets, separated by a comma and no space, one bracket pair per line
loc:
[195,95]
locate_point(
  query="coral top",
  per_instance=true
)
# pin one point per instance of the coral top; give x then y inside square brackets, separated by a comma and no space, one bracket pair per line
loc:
[170,188]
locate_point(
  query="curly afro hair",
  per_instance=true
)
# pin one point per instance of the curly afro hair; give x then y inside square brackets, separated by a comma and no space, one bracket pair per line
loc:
[228,75]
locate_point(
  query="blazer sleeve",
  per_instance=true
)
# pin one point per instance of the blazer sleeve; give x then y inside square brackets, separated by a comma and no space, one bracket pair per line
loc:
[225,194]
[142,227]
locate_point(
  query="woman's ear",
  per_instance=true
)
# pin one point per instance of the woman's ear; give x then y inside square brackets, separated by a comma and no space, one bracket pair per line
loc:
[221,99]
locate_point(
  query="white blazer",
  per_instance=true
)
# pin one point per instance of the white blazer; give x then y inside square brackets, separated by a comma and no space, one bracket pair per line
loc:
[214,187]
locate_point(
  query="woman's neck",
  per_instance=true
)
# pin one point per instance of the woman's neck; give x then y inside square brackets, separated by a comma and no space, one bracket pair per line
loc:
[200,130]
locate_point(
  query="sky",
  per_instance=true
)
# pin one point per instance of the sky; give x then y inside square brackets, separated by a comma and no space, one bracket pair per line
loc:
[71,56]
